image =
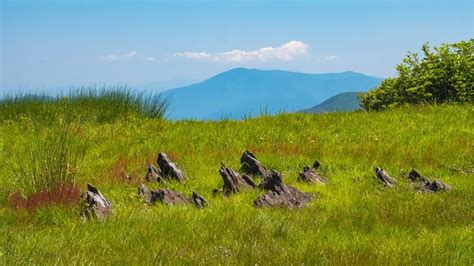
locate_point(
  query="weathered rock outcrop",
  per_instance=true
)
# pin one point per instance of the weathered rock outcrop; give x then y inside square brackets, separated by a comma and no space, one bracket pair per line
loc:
[169,168]
[198,200]
[281,195]
[251,166]
[153,174]
[385,177]
[94,204]
[310,175]
[233,181]
[424,184]
[169,197]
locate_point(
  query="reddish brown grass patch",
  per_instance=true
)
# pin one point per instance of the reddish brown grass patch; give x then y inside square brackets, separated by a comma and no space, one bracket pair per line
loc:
[60,195]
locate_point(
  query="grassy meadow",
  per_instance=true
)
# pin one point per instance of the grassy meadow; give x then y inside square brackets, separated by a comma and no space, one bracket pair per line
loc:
[353,219]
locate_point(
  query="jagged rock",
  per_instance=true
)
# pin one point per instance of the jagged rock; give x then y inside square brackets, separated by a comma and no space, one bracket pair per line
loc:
[316,165]
[437,185]
[281,195]
[309,175]
[414,175]
[272,181]
[251,166]
[145,193]
[198,200]
[153,174]
[233,181]
[385,177]
[424,184]
[94,204]
[169,197]
[169,168]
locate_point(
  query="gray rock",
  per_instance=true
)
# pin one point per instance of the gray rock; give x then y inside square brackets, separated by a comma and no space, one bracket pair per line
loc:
[424,184]
[281,195]
[233,181]
[169,168]
[169,197]
[198,200]
[145,193]
[310,175]
[251,166]
[385,177]
[153,174]
[94,204]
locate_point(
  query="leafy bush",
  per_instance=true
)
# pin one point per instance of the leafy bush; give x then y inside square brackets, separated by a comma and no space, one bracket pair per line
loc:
[443,75]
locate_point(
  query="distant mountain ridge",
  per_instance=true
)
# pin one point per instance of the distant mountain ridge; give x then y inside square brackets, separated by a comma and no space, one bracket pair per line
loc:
[245,92]
[342,102]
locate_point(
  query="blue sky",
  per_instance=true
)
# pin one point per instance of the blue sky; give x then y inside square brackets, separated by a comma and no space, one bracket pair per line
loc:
[46,44]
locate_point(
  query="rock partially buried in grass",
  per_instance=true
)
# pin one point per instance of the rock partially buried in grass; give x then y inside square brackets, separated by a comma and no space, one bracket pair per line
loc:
[233,181]
[251,166]
[310,175]
[153,174]
[198,200]
[145,193]
[94,204]
[384,177]
[169,168]
[169,197]
[423,184]
[281,195]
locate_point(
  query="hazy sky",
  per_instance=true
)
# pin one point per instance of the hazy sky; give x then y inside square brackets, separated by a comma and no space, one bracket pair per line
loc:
[61,43]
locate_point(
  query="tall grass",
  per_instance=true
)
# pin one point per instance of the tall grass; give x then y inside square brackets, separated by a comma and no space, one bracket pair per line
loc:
[50,159]
[106,104]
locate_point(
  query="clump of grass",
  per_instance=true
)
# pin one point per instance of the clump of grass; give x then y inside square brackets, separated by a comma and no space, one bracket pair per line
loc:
[106,104]
[51,159]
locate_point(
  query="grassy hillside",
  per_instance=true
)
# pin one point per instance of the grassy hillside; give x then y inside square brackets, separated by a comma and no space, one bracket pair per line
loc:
[343,102]
[353,219]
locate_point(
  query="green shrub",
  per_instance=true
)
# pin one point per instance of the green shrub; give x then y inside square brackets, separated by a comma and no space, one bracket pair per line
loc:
[443,75]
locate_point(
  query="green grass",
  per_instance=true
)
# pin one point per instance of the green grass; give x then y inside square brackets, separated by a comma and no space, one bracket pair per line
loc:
[353,219]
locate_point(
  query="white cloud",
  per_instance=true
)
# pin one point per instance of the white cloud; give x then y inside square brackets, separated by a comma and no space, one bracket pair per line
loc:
[285,52]
[194,55]
[330,58]
[118,57]
[151,59]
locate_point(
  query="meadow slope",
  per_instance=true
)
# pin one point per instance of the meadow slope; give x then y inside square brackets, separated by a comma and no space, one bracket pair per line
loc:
[353,219]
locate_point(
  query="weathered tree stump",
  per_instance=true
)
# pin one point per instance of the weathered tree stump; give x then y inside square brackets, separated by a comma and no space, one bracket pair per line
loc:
[198,200]
[385,177]
[233,181]
[424,184]
[169,168]
[310,175]
[251,166]
[94,204]
[153,174]
[281,195]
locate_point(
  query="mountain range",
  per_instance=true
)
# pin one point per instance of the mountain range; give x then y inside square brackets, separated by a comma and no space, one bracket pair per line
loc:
[248,92]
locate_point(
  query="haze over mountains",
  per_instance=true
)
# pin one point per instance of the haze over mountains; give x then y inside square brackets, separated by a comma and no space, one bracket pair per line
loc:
[247,92]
